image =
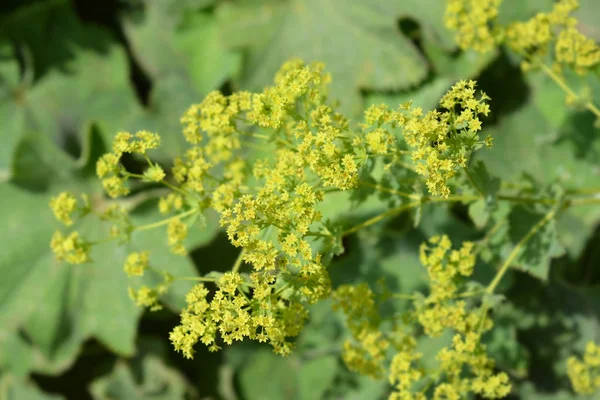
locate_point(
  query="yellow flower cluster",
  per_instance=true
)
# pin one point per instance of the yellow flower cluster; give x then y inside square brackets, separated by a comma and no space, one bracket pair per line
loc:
[585,374]
[464,366]
[147,297]
[475,26]
[577,51]
[177,231]
[113,174]
[232,315]
[171,202]
[472,20]
[441,142]
[72,248]
[366,353]
[270,208]
[534,38]
[63,206]
[294,80]
[136,263]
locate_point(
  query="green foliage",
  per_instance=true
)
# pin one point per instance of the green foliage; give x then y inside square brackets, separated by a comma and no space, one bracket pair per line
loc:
[71,77]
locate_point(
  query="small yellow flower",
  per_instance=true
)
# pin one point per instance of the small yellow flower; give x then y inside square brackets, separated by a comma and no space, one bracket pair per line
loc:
[72,248]
[63,206]
[177,231]
[145,297]
[136,263]
[154,174]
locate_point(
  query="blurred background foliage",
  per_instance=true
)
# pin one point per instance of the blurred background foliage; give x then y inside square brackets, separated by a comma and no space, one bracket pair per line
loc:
[73,73]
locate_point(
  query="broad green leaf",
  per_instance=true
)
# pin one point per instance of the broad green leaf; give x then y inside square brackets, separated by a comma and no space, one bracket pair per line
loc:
[523,10]
[49,34]
[528,391]
[552,145]
[59,305]
[316,376]
[486,185]
[144,378]
[587,16]
[504,347]
[265,366]
[450,69]
[87,84]
[13,388]
[169,39]
[536,253]
[359,43]
[16,356]
[10,93]
[179,49]
[555,320]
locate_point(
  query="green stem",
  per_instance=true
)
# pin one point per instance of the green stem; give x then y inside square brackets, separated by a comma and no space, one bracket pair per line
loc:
[517,199]
[388,190]
[194,278]
[583,202]
[466,198]
[563,85]
[377,218]
[238,261]
[403,296]
[164,221]
[515,252]
[105,240]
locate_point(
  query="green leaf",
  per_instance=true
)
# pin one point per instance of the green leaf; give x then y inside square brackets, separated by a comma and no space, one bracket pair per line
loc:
[359,43]
[523,10]
[487,186]
[537,252]
[10,93]
[316,376]
[59,305]
[587,16]
[170,39]
[144,378]
[16,356]
[553,145]
[528,391]
[15,389]
[449,70]
[88,84]
[265,366]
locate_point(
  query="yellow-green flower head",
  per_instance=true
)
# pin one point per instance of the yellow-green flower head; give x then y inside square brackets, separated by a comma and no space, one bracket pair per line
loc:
[367,355]
[139,143]
[440,142]
[177,231]
[63,206]
[585,374]
[107,164]
[136,263]
[556,29]
[115,186]
[471,19]
[145,297]
[72,248]
[154,174]
[173,201]
[192,171]
[577,51]
[492,387]
[229,282]
[403,372]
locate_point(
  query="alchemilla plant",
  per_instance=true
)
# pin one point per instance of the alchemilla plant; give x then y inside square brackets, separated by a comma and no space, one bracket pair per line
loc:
[266,163]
